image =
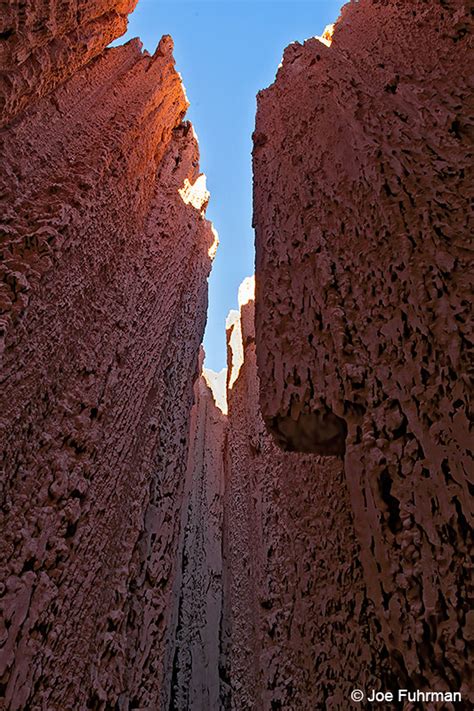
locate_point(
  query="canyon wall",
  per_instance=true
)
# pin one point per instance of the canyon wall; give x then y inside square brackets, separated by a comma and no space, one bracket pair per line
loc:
[301,632]
[44,43]
[197,681]
[362,173]
[105,258]
[155,553]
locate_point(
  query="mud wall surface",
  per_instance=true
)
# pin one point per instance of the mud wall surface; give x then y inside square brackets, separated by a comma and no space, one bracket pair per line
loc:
[300,631]
[362,173]
[197,680]
[157,555]
[103,296]
[44,43]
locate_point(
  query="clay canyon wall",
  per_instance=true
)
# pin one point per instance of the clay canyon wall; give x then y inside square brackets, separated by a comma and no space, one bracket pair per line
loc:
[362,176]
[303,631]
[158,553]
[105,258]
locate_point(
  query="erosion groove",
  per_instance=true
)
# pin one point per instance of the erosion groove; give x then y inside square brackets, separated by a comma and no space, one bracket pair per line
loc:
[104,298]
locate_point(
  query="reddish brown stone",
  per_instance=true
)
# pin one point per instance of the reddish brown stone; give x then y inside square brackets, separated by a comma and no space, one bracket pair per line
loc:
[196,677]
[104,297]
[142,573]
[362,173]
[301,632]
[44,43]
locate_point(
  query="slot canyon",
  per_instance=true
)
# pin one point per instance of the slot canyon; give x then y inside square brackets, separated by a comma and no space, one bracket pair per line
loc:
[299,526]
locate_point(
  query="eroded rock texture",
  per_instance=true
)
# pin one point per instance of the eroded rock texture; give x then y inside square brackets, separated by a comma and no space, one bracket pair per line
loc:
[196,679]
[104,297]
[362,174]
[299,629]
[44,43]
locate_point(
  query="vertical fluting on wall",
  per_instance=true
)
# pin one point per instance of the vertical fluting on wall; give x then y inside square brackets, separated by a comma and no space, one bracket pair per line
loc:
[362,174]
[105,258]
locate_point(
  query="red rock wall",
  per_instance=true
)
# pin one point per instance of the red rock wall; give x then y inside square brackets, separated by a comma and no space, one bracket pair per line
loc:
[362,173]
[104,298]
[119,589]
[44,43]
[300,630]
[196,682]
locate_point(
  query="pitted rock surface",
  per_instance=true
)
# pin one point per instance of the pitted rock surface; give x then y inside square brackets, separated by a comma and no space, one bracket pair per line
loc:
[299,629]
[362,174]
[197,681]
[45,43]
[104,298]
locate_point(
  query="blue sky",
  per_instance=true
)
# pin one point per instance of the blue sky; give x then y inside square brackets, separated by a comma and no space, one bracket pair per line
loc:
[226,51]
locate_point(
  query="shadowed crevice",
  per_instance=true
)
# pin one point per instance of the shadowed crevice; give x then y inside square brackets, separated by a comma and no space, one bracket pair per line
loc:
[321,432]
